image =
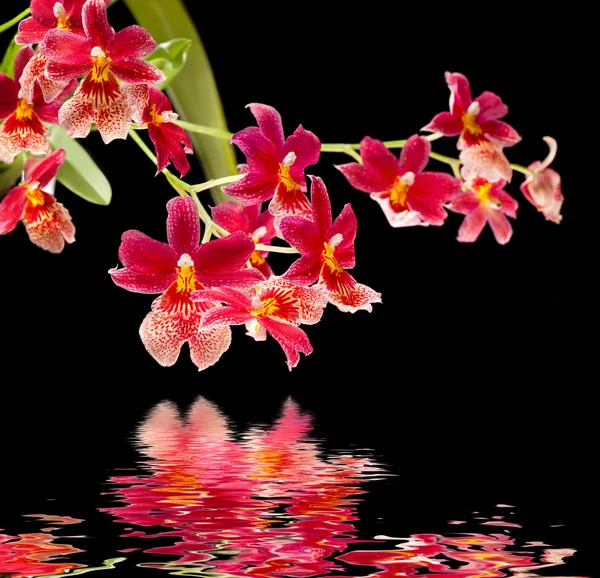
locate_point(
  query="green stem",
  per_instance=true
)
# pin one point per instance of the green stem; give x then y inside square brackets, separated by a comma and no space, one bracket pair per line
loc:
[215,183]
[522,169]
[273,249]
[207,130]
[15,20]
[444,159]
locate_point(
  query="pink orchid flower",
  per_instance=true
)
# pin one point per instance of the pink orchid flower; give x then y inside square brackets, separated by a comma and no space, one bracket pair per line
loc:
[102,56]
[175,270]
[275,164]
[46,221]
[482,135]
[543,189]
[151,108]
[23,128]
[327,250]
[278,307]
[407,195]
[248,219]
[482,203]
[46,15]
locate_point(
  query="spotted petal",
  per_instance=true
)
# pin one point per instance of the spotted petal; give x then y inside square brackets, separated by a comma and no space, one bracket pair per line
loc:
[11,209]
[183,225]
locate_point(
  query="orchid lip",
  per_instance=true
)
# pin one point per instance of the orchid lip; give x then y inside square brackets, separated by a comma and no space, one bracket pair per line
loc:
[289,159]
[408,178]
[185,261]
[474,108]
[97,52]
[59,11]
[336,240]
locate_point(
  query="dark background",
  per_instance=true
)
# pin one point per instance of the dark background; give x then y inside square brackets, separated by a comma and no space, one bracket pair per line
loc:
[469,381]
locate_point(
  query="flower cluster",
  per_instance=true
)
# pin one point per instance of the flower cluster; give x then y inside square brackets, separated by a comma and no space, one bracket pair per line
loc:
[83,73]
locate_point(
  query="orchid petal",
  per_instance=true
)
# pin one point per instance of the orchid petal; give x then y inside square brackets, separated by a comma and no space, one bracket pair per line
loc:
[345,225]
[269,122]
[307,148]
[301,234]
[49,226]
[501,132]
[460,92]
[253,188]
[183,225]
[414,156]
[226,255]
[472,225]
[491,107]
[487,161]
[95,23]
[378,159]
[206,347]
[500,225]
[44,170]
[260,152]
[446,123]
[305,270]
[131,42]
[11,209]
[137,72]
[9,95]
[142,254]
[232,216]
[21,59]
[292,339]
[141,282]
[321,206]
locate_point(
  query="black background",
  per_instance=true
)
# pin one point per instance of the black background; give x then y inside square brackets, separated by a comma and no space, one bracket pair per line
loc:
[469,380]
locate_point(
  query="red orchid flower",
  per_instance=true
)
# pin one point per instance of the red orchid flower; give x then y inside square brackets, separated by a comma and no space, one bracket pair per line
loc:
[248,219]
[327,250]
[46,15]
[23,128]
[482,135]
[407,195]
[275,164]
[482,203]
[543,189]
[46,221]
[152,108]
[175,270]
[102,56]
[279,307]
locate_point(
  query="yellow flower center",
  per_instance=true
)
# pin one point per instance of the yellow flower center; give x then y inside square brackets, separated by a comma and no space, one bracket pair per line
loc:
[398,195]
[256,259]
[285,178]
[269,307]
[24,110]
[34,196]
[186,281]
[330,260]
[100,69]
[157,118]
[483,192]
[470,124]
[62,20]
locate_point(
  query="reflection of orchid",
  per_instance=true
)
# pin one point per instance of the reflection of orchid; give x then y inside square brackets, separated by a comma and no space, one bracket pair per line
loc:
[269,502]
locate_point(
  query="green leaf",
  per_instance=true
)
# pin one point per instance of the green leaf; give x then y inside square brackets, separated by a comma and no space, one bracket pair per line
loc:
[193,92]
[8,61]
[79,173]
[170,57]
[9,174]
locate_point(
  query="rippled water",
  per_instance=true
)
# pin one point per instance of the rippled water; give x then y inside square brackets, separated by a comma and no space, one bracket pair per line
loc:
[207,500]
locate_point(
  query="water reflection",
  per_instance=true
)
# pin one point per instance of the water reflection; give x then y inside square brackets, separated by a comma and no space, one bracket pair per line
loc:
[265,504]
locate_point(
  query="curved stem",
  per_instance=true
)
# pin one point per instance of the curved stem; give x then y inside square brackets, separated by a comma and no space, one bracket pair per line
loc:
[522,169]
[201,129]
[274,249]
[15,20]
[215,183]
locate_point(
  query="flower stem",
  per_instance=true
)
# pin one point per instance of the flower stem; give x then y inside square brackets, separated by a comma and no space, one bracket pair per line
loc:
[201,129]
[522,169]
[274,249]
[15,20]
[215,183]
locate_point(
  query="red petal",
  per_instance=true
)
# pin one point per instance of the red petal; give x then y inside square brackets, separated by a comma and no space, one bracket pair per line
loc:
[137,96]
[49,226]
[292,339]
[95,24]
[44,170]
[226,255]
[446,123]
[508,205]
[363,179]
[305,270]
[61,72]
[379,160]
[321,207]
[43,11]
[301,234]
[227,295]
[472,225]
[220,316]
[501,132]
[131,42]
[21,59]
[243,278]
[141,282]
[136,71]
[261,154]
[500,225]
[414,156]
[11,209]
[206,347]
[434,188]
[142,254]
[396,219]
[66,49]
[9,95]
[345,225]
[183,225]
[307,148]
[346,257]
[460,92]
[491,107]
[290,202]
[464,203]
[269,122]
[487,161]
[32,31]
[231,217]
[174,143]
[77,115]
[255,187]
[265,219]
